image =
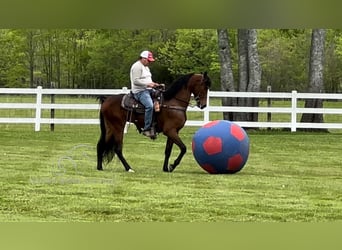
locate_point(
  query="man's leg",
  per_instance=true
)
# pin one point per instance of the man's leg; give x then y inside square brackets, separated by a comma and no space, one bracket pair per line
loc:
[146,100]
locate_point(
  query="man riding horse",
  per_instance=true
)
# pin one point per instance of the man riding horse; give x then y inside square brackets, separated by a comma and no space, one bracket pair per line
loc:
[170,119]
[142,86]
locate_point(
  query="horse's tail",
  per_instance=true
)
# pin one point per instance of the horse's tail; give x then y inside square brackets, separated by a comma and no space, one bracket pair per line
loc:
[101,98]
[102,125]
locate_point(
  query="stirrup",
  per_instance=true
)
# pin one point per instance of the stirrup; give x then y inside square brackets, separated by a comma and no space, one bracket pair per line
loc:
[147,133]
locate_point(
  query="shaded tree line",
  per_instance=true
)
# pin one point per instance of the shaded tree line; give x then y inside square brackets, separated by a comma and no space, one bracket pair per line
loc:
[101,58]
[237,60]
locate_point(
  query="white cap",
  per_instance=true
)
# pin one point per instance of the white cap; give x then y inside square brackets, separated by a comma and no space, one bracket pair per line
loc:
[148,55]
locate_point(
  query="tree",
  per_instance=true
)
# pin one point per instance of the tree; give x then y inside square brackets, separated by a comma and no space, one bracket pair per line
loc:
[284,59]
[316,84]
[226,72]
[112,52]
[191,50]
[101,58]
[249,71]
[13,71]
[333,62]
[254,72]
[30,50]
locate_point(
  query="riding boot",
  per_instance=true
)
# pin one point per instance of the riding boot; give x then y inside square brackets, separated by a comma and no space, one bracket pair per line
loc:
[153,131]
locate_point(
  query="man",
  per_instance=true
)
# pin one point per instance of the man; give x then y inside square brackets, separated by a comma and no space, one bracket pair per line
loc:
[141,87]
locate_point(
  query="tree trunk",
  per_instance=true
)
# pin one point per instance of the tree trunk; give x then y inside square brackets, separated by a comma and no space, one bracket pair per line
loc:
[254,73]
[249,71]
[31,55]
[226,72]
[316,84]
[243,70]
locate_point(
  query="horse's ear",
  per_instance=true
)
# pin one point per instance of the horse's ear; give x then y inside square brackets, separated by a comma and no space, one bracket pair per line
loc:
[207,79]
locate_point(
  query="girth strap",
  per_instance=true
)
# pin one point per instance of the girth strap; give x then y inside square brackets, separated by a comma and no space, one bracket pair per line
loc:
[174,107]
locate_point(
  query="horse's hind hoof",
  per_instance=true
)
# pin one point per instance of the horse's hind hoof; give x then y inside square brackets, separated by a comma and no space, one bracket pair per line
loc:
[130,171]
[170,168]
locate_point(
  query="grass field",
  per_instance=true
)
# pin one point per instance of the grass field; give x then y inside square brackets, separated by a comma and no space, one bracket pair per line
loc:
[51,176]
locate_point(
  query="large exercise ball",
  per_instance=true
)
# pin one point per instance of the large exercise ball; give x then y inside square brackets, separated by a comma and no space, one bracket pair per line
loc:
[221,147]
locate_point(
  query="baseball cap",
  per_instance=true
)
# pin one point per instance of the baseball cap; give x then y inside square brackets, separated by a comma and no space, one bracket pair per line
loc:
[147,54]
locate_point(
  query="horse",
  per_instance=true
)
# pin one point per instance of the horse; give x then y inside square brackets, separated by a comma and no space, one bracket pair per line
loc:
[169,120]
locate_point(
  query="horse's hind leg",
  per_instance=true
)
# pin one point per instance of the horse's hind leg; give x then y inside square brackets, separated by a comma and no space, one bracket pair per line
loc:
[118,132]
[118,151]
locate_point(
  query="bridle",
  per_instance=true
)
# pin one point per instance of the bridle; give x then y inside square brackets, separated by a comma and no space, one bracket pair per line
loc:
[197,98]
[186,102]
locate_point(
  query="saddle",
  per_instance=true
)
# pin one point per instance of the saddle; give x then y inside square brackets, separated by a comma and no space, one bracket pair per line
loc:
[131,104]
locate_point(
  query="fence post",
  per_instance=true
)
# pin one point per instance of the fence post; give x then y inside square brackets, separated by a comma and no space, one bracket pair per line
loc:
[293,111]
[52,111]
[206,110]
[269,104]
[38,108]
[124,89]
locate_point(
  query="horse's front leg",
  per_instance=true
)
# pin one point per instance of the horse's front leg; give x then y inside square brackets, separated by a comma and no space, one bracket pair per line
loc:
[170,140]
[168,149]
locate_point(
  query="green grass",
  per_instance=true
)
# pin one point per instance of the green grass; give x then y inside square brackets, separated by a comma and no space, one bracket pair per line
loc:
[51,176]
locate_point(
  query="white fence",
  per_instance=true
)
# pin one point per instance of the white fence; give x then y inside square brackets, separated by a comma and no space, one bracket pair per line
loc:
[292,111]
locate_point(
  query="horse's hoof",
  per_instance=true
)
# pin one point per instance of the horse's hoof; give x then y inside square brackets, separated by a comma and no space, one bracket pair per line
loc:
[171,168]
[100,169]
[130,170]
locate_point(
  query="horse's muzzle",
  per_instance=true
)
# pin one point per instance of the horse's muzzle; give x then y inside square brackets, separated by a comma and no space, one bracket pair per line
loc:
[202,106]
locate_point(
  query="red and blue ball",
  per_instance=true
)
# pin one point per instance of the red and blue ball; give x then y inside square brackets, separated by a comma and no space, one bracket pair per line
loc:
[221,147]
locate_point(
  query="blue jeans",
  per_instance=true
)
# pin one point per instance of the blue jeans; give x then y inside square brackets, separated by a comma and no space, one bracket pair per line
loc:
[145,98]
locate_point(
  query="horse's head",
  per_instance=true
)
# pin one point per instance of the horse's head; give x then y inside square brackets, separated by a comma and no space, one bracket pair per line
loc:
[201,85]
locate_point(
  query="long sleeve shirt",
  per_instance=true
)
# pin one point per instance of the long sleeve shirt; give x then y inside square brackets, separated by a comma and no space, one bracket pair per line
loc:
[140,76]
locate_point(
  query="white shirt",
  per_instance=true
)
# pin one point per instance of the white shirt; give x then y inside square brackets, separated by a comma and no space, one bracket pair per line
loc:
[140,76]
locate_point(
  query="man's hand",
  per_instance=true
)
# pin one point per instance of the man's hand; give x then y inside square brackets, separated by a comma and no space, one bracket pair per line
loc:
[153,85]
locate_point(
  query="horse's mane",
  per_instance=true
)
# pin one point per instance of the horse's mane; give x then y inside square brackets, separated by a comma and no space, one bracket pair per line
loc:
[176,86]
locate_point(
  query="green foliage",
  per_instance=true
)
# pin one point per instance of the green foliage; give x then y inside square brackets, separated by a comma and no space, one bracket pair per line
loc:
[284,59]
[192,50]
[101,58]
[333,62]
[112,52]
[12,59]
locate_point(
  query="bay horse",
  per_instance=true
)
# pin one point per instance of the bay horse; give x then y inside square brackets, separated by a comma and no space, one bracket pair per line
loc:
[169,120]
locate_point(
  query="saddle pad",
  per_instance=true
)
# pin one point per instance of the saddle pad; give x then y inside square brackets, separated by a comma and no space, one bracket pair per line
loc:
[131,104]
